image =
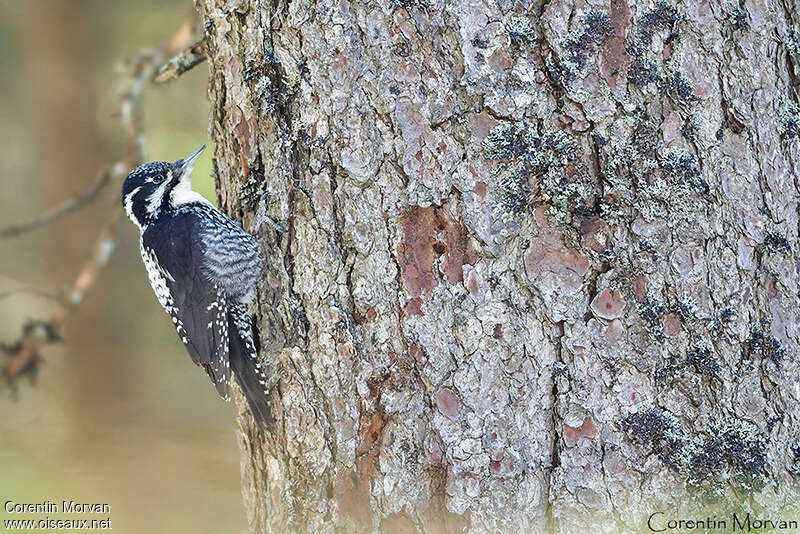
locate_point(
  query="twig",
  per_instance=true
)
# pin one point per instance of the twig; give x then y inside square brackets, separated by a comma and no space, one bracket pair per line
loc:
[181,63]
[27,351]
[82,199]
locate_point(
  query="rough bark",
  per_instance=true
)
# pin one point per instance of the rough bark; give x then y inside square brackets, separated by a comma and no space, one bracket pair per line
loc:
[539,268]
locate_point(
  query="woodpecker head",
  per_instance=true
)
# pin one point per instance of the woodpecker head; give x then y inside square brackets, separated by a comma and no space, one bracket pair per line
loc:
[159,186]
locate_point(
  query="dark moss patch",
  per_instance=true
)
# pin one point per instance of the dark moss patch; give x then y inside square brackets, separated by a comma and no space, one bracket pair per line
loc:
[746,452]
[681,167]
[595,27]
[789,121]
[793,40]
[651,313]
[514,189]
[644,71]
[719,323]
[550,160]
[664,16]
[506,141]
[521,29]
[658,430]
[762,345]
[703,360]
[776,242]
[739,20]
[676,85]
[794,457]
[734,450]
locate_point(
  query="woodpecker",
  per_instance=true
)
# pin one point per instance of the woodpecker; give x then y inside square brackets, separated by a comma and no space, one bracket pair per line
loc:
[203,268]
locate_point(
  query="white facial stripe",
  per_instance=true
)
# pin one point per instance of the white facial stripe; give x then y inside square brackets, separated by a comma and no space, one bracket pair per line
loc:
[154,202]
[129,204]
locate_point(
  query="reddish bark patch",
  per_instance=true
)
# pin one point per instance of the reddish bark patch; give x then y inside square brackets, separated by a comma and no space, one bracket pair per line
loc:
[436,450]
[615,331]
[480,189]
[371,426]
[608,304]
[640,287]
[593,231]
[472,254]
[614,59]
[671,325]
[569,266]
[429,234]
[413,307]
[416,254]
[586,430]
[500,60]
[416,353]
[480,124]
[245,132]
[447,403]
[472,283]
[498,331]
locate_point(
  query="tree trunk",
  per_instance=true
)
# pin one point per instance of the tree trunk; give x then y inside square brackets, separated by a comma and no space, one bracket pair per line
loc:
[539,268]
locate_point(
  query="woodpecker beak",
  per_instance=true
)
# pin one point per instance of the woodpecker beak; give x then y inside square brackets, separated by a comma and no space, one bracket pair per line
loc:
[187,163]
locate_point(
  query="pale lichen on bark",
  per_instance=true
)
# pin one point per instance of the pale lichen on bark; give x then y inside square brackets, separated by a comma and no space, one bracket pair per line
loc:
[540,268]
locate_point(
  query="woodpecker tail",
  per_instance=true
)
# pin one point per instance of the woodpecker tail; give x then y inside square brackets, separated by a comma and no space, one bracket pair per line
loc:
[246,367]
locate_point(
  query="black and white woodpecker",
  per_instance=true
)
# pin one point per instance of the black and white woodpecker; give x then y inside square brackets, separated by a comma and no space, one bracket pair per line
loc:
[203,268]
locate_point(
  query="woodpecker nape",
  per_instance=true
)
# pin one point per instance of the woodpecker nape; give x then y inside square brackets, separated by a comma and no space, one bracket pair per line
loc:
[203,268]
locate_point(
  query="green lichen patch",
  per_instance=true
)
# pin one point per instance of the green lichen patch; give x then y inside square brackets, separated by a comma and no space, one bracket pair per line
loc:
[681,167]
[789,120]
[252,189]
[551,160]
[521,29]
[776,242]
[745,449]
[641,174]
[508,140]
[513,189]
[733,449]
[763,345]
[595,26]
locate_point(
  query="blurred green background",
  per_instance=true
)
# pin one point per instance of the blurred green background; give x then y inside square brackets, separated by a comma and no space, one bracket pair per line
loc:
[118,414]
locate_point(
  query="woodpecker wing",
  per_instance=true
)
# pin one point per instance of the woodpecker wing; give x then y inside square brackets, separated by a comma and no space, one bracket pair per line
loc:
[173,251]
[232,258]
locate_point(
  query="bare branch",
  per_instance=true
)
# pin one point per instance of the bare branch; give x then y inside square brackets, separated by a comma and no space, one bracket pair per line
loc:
[181,63]
[24,353]
[78,201]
